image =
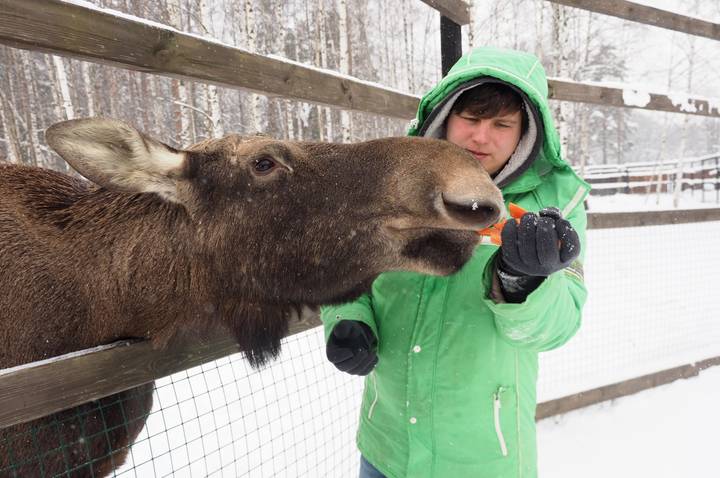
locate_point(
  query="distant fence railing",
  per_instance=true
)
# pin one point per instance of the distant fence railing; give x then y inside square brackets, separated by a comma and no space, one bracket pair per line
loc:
[694,174]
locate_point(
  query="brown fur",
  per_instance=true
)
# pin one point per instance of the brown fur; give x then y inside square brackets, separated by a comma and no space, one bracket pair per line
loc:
[83,265]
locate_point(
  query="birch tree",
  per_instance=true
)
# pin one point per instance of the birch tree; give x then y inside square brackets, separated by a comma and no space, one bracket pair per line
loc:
[690,52]
[85,69]
[12,138]
[212,96]
[30,115]
[253,113]
[345,62]
[321,59]
[63,87]
[560,57]
[179,90]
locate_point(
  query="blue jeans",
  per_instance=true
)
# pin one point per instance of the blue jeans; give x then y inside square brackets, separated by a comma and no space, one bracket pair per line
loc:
[367,470]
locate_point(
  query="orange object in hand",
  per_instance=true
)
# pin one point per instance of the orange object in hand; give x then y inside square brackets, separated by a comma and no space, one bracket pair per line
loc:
[493,233]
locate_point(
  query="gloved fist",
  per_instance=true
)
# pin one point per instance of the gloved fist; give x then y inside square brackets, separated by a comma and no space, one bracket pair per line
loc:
[351,347]
[541,244]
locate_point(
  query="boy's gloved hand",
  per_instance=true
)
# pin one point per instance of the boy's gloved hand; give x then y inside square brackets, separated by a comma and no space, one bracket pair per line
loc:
[351,347]
[541,244]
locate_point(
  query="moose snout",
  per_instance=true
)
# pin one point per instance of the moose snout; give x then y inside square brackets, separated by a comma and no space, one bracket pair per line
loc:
[471,211]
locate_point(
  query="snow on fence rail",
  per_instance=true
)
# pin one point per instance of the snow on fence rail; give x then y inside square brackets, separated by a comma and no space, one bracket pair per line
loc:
[213,414]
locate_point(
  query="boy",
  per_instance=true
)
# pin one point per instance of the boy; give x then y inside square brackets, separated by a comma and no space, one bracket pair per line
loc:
[452,391]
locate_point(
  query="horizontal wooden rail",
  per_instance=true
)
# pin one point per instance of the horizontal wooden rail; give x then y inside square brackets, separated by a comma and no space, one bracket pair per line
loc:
[621,389]
[456,10]
[647,15]
[608,220]
[77,31]
[628,97]
[34,390]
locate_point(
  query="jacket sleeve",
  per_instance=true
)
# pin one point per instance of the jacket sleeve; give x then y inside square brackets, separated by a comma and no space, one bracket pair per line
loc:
[360,309]
[551,314]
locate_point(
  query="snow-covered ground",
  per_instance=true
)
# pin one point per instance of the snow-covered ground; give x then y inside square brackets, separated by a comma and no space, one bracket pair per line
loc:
[671,431]
[652,202]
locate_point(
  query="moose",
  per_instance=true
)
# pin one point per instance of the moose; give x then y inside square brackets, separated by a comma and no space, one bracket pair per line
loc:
[232,234]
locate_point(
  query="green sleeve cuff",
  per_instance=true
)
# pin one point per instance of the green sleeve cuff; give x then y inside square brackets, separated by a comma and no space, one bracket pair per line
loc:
[360,310]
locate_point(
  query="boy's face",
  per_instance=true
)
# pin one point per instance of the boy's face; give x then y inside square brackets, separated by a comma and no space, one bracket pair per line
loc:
[491,140]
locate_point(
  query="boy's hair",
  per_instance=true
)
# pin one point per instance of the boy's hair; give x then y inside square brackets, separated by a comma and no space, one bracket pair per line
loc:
[489,100]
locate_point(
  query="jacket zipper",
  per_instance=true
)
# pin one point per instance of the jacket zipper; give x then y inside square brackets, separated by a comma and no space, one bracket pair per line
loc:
[372,405]
[498,428]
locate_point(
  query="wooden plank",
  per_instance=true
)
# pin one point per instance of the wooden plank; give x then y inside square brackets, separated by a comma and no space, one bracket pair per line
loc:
[456,10]
[77,31]
[608,96]
[607,220]
[38,389]
[647,15]
[621,389]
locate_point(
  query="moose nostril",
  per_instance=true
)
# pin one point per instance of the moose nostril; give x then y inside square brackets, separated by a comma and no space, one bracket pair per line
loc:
[476,208]
[470,212]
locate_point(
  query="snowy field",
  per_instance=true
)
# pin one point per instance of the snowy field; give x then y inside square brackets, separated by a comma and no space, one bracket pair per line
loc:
[666,432]
[653,305]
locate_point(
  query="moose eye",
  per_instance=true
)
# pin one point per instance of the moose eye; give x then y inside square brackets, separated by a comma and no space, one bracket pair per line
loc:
[264,165]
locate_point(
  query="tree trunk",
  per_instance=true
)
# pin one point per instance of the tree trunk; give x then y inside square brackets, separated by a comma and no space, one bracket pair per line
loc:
[30,117]
[7,115]
[560,40]
[345,61]
[212,96]
[89,90]
[179,90]
[63,87]
[253,117]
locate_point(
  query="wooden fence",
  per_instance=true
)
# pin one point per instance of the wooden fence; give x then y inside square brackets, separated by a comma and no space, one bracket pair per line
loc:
[700,174]
[78,31]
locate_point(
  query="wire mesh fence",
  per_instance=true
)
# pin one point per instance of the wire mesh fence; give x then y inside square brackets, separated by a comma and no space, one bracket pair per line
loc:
[652,306]
[295,417]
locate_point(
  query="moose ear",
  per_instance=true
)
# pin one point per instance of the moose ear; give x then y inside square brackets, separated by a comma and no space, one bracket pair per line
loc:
[117,156]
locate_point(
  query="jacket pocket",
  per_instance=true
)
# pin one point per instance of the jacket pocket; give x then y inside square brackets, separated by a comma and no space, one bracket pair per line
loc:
[497,406]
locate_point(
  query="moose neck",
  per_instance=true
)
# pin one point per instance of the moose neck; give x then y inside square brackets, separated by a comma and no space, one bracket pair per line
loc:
[136,264]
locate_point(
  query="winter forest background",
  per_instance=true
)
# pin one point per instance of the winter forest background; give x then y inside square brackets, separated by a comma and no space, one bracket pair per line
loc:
[393,43]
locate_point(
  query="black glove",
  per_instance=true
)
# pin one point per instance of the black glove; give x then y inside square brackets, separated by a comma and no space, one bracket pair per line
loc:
[541,244]
[351,347]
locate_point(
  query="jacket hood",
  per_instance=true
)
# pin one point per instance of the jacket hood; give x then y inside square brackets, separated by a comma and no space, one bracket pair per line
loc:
[534,157]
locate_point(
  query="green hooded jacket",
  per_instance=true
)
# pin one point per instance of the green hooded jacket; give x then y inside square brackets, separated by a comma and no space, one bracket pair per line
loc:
[454,390]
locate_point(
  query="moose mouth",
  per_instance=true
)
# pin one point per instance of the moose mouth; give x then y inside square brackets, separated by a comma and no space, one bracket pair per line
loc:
[442,252]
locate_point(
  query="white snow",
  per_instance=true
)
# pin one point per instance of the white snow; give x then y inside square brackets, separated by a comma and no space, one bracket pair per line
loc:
[667,432]
[635,94]
[650,202]
[633,97]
